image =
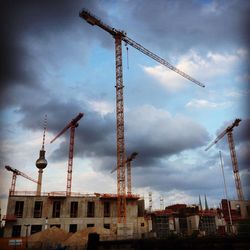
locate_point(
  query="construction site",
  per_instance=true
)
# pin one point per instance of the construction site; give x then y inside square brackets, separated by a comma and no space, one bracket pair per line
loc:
[68,219]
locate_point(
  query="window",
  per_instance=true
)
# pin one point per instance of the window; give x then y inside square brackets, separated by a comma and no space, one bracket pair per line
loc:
[38,209]
[248,210]
[56,209]
[90,225]
[91,209]
[19,209]
[107,226]
[55,225]
[106,209]
[142,224]
[16,231]
[72,228]
[73,209]
[35,228]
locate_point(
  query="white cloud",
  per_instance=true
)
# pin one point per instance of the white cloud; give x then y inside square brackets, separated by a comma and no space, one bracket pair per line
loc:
[212,8]
[201,103]
[238,93]
[165,77]
[199,67]
[102,107]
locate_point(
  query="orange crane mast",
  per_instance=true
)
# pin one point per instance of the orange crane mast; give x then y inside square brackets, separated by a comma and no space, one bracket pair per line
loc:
[120,36]
[129,175]
[229,132]
[72,125]
[13,182]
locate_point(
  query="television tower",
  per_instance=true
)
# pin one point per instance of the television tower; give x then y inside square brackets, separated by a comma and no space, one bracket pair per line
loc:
[41,162]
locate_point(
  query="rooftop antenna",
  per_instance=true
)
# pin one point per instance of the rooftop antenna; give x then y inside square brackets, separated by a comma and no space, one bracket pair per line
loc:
[44,130]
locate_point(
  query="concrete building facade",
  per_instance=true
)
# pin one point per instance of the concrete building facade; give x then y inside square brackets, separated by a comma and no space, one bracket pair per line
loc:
[28,214]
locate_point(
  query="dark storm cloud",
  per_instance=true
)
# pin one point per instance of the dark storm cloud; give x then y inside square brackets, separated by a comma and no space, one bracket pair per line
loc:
[179,175]
[156,134]
[181,25]
[40,20]
[242,132]
[154,139]
[93,133]
[43,19]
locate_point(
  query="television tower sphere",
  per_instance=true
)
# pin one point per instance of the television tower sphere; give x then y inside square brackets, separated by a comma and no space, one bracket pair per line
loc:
[41,162]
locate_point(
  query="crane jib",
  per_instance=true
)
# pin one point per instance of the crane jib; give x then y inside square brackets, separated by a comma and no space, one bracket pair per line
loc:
[93,20]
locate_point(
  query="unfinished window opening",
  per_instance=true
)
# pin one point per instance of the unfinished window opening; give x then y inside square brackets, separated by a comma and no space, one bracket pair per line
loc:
[72,228]
[107,226]
[16,231]
[73,209]
[19,209]
[56,209]
[35,229]
[90,225]
[38,209]
[106,209]
[91,209]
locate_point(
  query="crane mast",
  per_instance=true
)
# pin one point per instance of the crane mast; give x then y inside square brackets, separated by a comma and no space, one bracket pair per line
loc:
[129,176]
[229,132]
[72,126]
[120,36]
[16,172]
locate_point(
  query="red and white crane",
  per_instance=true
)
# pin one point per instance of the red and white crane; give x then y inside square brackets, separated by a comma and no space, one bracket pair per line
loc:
[229,132]
[72,125]
[13,182]
[120,36]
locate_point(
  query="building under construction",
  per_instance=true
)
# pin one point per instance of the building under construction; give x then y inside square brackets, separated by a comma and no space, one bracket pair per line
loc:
[31,212]
[72,214]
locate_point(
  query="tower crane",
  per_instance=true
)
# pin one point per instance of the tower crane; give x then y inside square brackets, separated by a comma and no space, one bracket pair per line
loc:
[120,36]
[72,125]
[15,173]
[128,162]
[229,132]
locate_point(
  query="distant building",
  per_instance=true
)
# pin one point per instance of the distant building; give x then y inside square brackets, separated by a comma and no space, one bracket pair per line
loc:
[162,223]
[236,213]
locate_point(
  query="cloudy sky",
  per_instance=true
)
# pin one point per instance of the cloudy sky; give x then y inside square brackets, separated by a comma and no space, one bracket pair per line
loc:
[55,63]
